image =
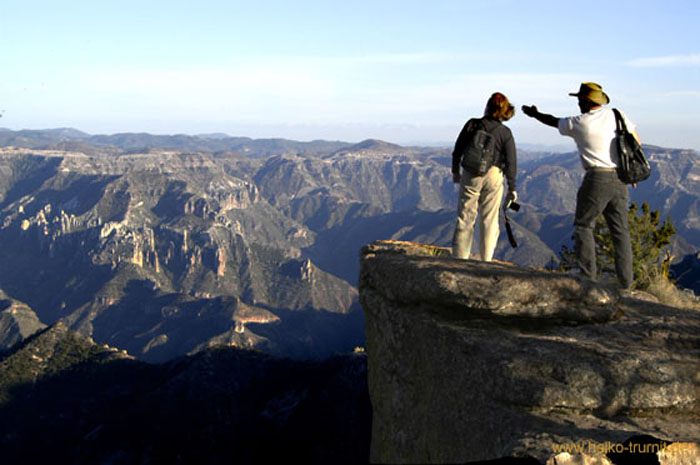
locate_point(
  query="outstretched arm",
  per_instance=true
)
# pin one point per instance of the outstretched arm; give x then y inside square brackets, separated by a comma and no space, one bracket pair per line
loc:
[543,118]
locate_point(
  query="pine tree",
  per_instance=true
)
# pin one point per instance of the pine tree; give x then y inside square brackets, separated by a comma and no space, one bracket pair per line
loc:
[649,237]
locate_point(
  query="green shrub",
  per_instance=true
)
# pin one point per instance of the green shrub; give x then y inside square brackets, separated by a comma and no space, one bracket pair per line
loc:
[649,237]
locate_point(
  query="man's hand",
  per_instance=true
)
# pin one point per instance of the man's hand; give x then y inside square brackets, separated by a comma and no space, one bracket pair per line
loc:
[530,111]
[456,178]
[543,118]
[511,196]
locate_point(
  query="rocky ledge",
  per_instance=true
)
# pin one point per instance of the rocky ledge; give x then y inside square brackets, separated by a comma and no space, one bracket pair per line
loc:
[475,361]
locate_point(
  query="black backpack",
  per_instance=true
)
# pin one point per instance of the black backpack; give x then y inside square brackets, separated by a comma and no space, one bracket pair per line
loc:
[633,166]
[480,153]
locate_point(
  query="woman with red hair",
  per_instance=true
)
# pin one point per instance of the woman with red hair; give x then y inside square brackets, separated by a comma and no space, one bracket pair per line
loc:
[481,193]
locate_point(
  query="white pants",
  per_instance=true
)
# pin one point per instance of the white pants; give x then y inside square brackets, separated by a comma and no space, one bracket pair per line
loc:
[482,193]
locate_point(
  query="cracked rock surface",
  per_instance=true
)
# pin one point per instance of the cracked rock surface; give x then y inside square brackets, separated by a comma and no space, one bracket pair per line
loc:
[474,361]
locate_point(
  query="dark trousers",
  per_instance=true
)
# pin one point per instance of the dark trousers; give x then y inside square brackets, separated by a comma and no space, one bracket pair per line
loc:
[602,192]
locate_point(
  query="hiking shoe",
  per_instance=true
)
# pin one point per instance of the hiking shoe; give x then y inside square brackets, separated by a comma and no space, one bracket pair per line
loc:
[628,293]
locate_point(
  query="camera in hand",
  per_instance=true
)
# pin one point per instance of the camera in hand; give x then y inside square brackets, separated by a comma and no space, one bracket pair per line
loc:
[513,206]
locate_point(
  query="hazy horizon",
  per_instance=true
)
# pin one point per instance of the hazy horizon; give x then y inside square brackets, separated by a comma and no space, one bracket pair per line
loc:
[438,144]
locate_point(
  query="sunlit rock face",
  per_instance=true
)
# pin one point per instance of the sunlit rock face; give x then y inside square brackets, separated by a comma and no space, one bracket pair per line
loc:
[473,361]
[162,253]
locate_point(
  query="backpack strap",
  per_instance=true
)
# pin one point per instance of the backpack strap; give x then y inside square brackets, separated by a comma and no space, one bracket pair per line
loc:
[476,124]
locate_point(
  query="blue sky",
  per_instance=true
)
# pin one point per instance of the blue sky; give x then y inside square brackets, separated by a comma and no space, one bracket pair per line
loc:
[403,71]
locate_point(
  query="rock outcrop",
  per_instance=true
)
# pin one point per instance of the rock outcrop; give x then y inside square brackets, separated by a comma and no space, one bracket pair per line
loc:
[151,251]
[476,361]
[17,321]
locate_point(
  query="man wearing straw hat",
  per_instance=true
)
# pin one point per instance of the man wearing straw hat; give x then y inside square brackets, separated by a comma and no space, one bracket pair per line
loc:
[601,190]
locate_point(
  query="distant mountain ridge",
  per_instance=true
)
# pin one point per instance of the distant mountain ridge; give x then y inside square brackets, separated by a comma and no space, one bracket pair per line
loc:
[214,142]
[48,139]
[374,145]
[164,254]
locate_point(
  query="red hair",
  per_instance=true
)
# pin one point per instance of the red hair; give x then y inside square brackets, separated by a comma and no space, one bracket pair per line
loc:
[499,107]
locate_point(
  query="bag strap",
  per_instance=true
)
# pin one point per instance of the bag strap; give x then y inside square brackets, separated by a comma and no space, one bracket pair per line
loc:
[479,124]
[619,121]
[509,230]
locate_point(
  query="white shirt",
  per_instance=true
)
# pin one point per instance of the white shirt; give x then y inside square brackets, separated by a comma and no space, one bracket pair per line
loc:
[594,133]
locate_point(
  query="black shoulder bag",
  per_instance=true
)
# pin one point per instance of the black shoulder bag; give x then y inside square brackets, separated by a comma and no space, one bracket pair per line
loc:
[633,166]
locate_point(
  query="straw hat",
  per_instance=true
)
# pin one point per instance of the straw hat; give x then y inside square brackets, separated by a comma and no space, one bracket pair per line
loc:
[593,92]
